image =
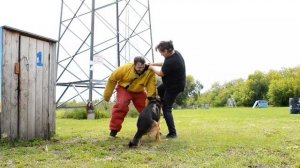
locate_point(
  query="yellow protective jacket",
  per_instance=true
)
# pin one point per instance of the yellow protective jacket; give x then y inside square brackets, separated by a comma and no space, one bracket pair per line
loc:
[126,76]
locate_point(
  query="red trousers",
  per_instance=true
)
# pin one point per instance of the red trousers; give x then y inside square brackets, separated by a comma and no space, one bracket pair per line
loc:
[121,108]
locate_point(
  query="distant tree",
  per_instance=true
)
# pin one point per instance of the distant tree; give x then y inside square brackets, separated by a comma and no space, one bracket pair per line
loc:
[191,92]
[197,90]
[276,86]
[236,90]
[256,87]
[280,91]
[284,87]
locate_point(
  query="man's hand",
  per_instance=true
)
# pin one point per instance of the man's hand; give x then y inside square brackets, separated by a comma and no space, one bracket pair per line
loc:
[106,99]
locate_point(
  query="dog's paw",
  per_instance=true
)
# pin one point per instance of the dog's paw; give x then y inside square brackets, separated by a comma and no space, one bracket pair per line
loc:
[132,145]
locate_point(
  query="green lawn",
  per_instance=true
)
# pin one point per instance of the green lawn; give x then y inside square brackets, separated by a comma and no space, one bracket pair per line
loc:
[217,137]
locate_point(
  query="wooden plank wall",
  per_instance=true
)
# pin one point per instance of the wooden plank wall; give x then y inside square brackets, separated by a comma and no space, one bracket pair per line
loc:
[39,96]
[31,88]
[29,113]
[45,96]
[52,90]
[9,118]
[24,92]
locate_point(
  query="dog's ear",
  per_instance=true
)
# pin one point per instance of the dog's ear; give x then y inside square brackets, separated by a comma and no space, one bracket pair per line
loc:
[158,100]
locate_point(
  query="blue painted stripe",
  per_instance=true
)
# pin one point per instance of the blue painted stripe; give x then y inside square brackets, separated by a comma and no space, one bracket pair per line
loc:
[0,65]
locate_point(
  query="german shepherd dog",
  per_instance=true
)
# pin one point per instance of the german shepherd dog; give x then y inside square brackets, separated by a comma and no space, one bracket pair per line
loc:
[148,122]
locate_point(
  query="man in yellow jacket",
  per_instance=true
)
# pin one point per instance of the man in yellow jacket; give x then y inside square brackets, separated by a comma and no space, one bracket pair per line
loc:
[133,82]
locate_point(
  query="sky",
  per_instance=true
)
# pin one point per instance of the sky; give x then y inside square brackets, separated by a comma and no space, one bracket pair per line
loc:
[220,40]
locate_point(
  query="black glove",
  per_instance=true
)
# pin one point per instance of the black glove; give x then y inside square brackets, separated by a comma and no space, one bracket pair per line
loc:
[151,98]
[146,67]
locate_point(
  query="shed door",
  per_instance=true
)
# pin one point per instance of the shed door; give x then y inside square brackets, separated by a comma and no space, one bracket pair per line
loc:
[34,88]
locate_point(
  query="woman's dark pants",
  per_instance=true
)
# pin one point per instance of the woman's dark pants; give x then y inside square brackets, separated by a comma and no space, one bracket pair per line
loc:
[168,98]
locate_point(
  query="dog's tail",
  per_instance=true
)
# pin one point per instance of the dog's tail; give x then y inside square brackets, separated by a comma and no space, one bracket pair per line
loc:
[157,137]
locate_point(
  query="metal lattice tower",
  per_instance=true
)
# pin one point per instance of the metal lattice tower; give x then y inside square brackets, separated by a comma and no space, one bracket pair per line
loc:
[96,37]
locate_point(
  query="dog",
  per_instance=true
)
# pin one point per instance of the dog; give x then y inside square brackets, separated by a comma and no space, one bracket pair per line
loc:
[148,122]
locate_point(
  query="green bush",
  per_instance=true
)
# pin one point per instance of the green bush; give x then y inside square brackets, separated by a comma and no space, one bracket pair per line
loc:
[81,113]
[105,106]
[99,113]
[76,114]
[103,110]
[133,113]
[60,113]
[68,113]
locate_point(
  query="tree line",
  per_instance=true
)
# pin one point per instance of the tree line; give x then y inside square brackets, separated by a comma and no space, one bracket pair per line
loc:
[274,86]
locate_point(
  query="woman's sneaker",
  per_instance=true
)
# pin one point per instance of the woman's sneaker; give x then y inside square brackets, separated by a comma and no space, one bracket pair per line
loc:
[171,136]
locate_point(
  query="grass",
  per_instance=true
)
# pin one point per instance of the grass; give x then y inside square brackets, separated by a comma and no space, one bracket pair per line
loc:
[217,137]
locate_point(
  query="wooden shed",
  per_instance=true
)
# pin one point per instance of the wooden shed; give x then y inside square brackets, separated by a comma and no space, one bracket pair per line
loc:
[28,77]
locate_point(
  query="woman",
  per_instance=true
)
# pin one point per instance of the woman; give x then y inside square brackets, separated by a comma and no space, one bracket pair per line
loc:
[173,76]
